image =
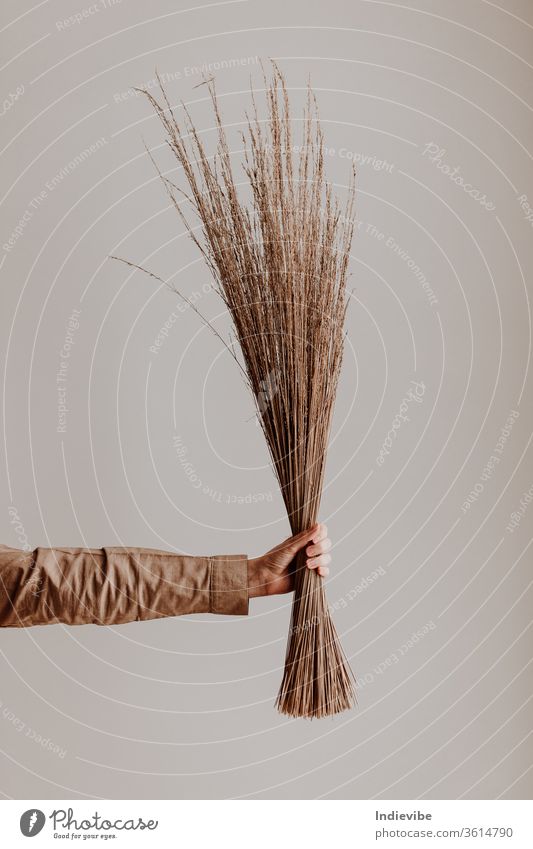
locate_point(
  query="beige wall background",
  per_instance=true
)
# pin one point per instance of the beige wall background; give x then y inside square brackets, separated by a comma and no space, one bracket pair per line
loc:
[146,437]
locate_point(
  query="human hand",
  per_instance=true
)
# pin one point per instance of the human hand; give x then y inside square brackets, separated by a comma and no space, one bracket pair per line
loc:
[270,574]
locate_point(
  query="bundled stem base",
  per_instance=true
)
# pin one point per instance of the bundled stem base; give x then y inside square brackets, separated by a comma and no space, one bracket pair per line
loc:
[314,654]
[280,264]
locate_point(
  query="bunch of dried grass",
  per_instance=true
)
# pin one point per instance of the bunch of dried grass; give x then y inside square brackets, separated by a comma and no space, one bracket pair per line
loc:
[280,264]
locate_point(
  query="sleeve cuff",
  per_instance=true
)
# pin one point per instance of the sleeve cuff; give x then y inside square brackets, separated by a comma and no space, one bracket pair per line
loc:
[228,592]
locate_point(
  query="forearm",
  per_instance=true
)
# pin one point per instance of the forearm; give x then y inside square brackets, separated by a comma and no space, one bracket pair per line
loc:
[115,585]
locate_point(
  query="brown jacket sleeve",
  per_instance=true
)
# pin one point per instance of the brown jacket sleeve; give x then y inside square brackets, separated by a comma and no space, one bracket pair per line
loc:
[111,586]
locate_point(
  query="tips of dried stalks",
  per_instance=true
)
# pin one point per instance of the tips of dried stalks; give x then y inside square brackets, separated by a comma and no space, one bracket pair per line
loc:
[280,262]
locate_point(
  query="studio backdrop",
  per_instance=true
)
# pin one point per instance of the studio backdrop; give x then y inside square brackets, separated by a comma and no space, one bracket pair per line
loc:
[126,423]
